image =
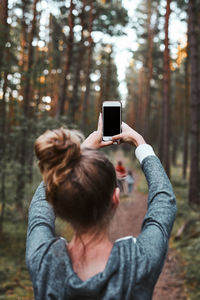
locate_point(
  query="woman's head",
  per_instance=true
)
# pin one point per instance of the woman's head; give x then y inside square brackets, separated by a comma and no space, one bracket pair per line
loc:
[79,183]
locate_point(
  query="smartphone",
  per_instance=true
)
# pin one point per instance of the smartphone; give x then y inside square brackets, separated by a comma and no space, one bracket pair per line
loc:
[112,111]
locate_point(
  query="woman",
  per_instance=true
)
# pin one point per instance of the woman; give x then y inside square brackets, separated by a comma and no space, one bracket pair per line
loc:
[80,186]
[121,175]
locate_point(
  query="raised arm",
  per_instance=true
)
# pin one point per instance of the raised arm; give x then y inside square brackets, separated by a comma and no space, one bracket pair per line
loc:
[41,229]
[158,221]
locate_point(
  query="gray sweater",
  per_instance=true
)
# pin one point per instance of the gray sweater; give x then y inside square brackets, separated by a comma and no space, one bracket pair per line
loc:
[134,264]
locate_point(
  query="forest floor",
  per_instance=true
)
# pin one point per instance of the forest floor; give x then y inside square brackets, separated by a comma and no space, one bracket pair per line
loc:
[15,282]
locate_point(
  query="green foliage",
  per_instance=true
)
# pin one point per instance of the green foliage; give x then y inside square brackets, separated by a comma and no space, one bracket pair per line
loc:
[14,278]
[110,17]
[188,245]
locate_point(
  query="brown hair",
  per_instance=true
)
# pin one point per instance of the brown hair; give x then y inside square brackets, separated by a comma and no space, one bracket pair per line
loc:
[79,183]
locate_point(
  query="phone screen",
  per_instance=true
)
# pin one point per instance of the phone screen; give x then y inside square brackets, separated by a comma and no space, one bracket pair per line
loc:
[111,120]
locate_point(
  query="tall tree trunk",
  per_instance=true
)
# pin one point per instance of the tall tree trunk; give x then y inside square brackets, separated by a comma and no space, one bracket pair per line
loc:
[176,118]
[3,151]
[194,188]
[21,176]
[3,53]
[30,63]
[3,32]
[140,112]
[75,100]
[68,61]
[89,66]
[23,44]
[23,36]
[149,66]
[108,74]
[166,98]
[99,100]
[186,117]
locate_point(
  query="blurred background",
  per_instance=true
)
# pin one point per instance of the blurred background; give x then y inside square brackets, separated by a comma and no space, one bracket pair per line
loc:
[59,60]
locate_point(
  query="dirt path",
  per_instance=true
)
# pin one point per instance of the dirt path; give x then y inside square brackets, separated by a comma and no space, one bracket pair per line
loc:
[128,221]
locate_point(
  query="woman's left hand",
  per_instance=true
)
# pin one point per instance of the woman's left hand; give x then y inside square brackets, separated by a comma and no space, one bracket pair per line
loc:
[94,140]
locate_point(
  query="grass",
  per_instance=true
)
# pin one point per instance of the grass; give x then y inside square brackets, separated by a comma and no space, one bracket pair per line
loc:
[14,278]
[188,245]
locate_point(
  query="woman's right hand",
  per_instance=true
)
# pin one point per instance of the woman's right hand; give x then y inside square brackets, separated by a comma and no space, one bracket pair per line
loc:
[128,135]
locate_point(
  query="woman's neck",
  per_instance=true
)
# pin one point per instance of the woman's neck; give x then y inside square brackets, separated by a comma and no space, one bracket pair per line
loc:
[90,244]
[90,239]
[89,253]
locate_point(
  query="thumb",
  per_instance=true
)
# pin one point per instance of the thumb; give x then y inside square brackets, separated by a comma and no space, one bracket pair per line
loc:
[100,123]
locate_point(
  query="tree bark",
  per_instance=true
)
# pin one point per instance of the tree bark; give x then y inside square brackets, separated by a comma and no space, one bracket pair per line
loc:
[186,117]
[3,51]
[2,153]
[30,63]
[75,100]
[68,61]
[139,114]
[108,75]
[149,72]
[89,65]
[194,188]
[23,46]
[165,124]
[3,32]
[23,36]
[21,176]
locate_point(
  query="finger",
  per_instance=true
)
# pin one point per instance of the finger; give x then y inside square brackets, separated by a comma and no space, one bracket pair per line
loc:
[106,143]
[100,123]
[117,137]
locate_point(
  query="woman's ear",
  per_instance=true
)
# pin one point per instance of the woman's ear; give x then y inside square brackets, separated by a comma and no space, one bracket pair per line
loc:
[116,197]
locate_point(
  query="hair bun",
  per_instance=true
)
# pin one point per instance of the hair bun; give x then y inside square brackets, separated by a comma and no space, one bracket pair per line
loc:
[58,150]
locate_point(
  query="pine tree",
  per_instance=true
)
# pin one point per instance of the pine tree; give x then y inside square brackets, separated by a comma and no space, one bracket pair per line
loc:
[165,123]
[194,186]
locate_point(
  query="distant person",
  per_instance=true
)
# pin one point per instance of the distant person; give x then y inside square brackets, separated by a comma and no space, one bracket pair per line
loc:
[121,175]
[130,181]
[79,185]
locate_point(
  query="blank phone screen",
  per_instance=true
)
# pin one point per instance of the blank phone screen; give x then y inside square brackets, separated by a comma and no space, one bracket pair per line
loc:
[111,120]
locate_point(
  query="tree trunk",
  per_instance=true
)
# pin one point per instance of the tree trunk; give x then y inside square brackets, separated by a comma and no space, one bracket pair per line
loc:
[149,65]
[166,97]
[23,36]
[3,53]
[194,188]
[139,114]
[68,61]
[176,115]
[3,152]
[3,31]
[75,100]
[23,48]
[186,117]
[99,100]
[21,176]
[30,63]
[108,75]
[89,65]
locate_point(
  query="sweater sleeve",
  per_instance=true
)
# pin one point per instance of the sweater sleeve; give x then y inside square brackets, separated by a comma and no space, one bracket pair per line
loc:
[159,219]
[41,229]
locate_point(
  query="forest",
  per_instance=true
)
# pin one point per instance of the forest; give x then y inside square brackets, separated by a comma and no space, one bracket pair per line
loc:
[57,66]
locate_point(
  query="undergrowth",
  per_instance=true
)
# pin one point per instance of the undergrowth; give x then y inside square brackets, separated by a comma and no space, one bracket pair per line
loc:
[188,244]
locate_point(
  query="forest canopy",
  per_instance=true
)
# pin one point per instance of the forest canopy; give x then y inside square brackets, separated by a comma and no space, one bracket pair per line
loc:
[53,71]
